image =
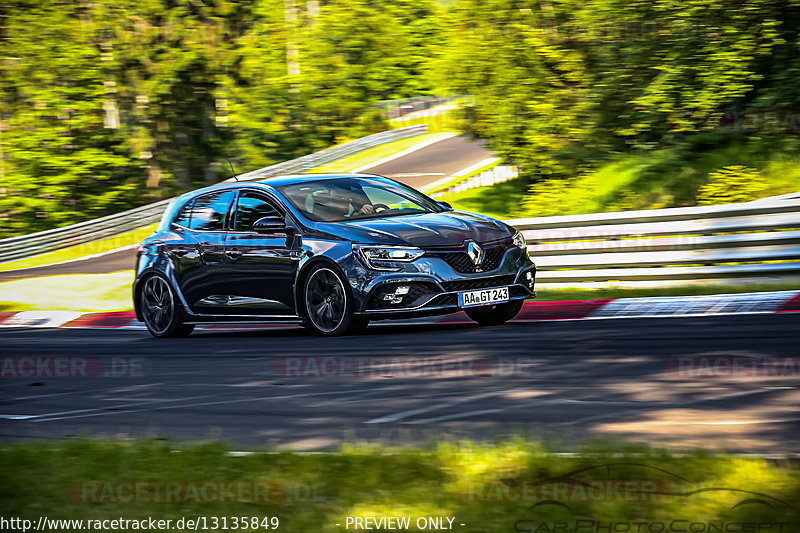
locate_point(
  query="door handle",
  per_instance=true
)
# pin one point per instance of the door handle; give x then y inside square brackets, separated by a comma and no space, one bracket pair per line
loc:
[180,252]
[233,254]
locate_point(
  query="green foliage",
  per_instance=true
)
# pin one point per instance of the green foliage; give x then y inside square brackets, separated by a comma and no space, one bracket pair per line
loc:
[736,183]
[561,87]
[669,177]
[108,105]
[487,487]
[111,104]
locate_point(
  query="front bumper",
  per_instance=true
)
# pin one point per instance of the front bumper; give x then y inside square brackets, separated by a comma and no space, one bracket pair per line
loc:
[431,286]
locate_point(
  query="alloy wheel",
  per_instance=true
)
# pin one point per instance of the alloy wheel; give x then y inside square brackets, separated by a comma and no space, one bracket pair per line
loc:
[326,300]
[158,305]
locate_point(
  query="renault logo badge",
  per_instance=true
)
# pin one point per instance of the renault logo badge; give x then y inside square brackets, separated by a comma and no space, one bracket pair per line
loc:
[475,252]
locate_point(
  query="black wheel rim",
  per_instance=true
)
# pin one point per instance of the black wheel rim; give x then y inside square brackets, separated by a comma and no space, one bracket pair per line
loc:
[158,306]
[325,300]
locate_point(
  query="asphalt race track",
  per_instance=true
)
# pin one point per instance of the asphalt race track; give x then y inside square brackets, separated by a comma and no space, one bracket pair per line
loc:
[564,381]
[434,162]
[112,262]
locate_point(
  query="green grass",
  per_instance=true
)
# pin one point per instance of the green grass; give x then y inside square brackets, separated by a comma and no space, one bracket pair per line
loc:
[81,250]
[69,292]
[372,155]
[457,479]
[446,121]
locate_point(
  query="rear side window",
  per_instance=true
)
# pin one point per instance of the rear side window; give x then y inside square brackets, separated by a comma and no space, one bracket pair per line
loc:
[210,212]
[184,215]
[249,208]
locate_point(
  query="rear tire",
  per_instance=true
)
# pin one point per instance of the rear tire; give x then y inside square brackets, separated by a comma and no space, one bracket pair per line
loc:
[161,311]
[494,315]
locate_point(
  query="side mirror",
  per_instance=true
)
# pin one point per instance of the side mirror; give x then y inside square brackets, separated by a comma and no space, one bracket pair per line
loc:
[272,225]
[447,206]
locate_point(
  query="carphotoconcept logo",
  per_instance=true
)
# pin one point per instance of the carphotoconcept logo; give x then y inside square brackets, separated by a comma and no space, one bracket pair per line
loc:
[560,503]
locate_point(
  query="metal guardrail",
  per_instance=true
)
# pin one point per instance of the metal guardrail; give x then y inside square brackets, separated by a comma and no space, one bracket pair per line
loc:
[14,248]
[754,242]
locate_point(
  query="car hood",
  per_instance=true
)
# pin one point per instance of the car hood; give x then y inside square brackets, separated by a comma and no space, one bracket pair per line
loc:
[450,228]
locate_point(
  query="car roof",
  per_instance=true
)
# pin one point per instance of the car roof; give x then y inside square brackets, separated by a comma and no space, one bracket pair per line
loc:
[274,181]
[291,179]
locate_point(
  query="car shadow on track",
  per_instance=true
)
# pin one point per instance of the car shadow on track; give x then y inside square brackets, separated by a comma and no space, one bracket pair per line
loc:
[373,330]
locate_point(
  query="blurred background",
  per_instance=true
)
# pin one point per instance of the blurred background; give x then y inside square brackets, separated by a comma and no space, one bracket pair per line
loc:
[519,109]
[602,105]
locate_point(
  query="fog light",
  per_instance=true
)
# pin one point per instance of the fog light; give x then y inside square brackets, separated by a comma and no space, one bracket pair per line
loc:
[396,297]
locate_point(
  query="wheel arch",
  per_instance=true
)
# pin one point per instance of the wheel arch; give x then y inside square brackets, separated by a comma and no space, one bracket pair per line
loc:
[302,275]
[137,288]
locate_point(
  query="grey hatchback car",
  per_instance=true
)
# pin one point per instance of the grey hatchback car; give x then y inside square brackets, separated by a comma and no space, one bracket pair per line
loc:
[329,251]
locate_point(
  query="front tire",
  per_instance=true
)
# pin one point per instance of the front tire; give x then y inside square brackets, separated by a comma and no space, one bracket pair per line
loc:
[494,315]
[327,304]
[160,310]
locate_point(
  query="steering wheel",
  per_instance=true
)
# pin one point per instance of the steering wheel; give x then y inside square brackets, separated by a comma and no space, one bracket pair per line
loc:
[380,207]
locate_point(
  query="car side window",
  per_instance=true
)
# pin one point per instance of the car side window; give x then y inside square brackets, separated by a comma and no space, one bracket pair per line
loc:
[184,215]
[249,208]
[210,212]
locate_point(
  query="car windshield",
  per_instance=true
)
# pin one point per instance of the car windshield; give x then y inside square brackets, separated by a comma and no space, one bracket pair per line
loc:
[341,199]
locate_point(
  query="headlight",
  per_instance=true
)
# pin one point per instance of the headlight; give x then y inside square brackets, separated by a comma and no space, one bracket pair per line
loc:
[519,242]
[386,257]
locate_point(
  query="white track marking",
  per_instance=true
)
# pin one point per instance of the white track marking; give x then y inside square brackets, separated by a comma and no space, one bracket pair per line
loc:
[463,172]
[123,409]
[716,304]
[403,153]
[40,319]
[70,393]
[357,398]
[58,415]
[454,416]
[405,414]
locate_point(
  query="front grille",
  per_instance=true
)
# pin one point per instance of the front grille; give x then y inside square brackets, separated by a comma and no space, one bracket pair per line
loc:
[461,262]
[415,292]
[478,283]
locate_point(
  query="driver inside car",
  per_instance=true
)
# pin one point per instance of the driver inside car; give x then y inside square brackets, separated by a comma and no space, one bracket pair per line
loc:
[366,209]
[339,203]
[358,202]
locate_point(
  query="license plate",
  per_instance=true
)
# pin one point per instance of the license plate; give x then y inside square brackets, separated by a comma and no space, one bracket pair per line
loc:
[483,297]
